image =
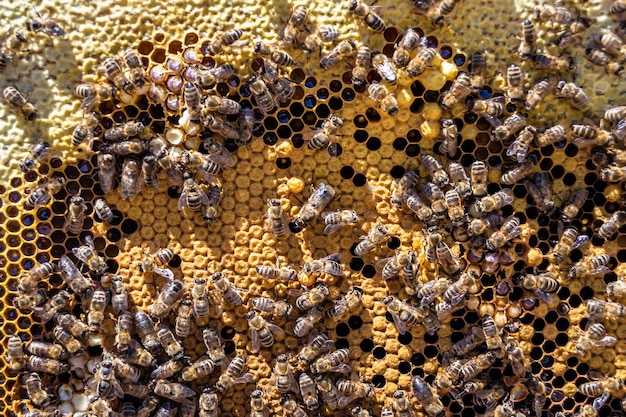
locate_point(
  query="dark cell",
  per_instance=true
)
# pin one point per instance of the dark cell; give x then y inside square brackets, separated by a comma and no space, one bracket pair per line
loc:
[355,322]
[431,338]
[413,136]
[129,226]
[379,352]
[283,163]
[113,235]
[297,75]
[549,346]
[111,251]
[379,381]
[368,271]
[296,109]
[342,330]
[359,180]
[494,161]
[431,351]
[470,117]
[485,92]
[360,136]
[397,171]
[296,125]
[373,143]
[335,86]
[417,106]
[297,141]
[309,118]
[229,347]
[586,293]
[360,121]
[310,82]
[322,93]
[342,343]
[459,60]
[561,338]
[412,150]
[394,243]
[346,172]
[445,52]
[294,228]
[417,88]
[399,144]
[228,333]
[404,367]
[322,111]
[283,132]
[431,96]
[372,115]
[283,116]
[335,103]
[366,345]
[270,138]
[484,125]
[468,146]
[405,338]
[270,123]
[356,264]
[335,149]
[348,94]
[175,262]
[390,34]
[95,350]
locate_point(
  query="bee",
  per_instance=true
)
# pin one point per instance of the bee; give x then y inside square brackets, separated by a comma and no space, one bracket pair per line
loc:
[204,366]
[137,355]
[277,56]
[510,126]
[97,305]
[277,308]
[321,138]
[146,331]
[375,237]
[460,179]
[192,196]
[576,94]
[75,326]
[191,95]
[67,340]
[136,69]
[435,170]
[39,24]
[611,226]
[14,356]
[93,94]
[613,174]
[208,77]
[345,305]
[402,404]
[615,114]
[392,266]
[474,366]
[172,390]
[123,328]
[155,262]
[427,397]
[203,164]
[478,176]
[74,279]
[599,309]
[554,14]
[573,206]
[103,210]
[353,390]
[510,230]
[408,43]
[327,265]
[456,212]
[167,369]
[29,280]
[227,38]
[261,331]
[304,325]
[200,296]
[332,362]
[17,100]
[105,383]
[308,390]
[438,12]
[26,302]
[518,173]
[403,314]
[291,408]
[34,388]
[107,171]
[213,343]
[368,15]
[447,141]
[258,404]
[294,26]
[474,338]
[166,338]
[312,298]
[112,69]
[233,375]
[408,180]
[541,192]
[283,379]
[342,50]
[455,293]
[617,7]
[536,94]
[135,146]
[87,255]
[594,336]
[247,121]
[46,350]
[417,205]
[262,95]
[362,65]
[386,101]
[221,127]
[590,266]
[328,391]
[601,385]
[76,217]
[514,83]
[277,272]
[47,365]
[384,68]
[489,220]
[602,59]
[518,149]
[552,63]
[322,34]
[221,105]
[283,90]
[84,131]
[458,92]
[209,403]
[437,199]
[573,33]
[171,292]
[129,180]
[493,336]
[569,241]
[528,41]
[56,303]
[37,153]
[316,345]
[317,202]
[429,291]
[10,47]
[227,290]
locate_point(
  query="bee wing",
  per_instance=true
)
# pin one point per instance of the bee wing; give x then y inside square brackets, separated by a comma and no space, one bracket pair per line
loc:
[606,341]
[204,199]
[580,240]
[88,104]
[210,178]
[224,159]
[335,257]
[244,379]
[270,70]
[493,120]
[182,200]
[332,228]
[343,368]
[275,329]
[596,376]
[344,401]
[601,401]
[256,342]
[544,296]
[381,263]
[326,214]
[89,241]
[117,388]
[399,324]
[164,273]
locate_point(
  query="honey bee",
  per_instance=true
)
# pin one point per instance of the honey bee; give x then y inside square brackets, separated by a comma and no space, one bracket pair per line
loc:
[39,24]
[438,12]
[402,404]
[311,210]
[455,293]
[136,69]
[17,100]
[291,408]
[97,305]
[308,390]
[510,126]
[489,220]
[408,180]
[87,255]
[204,366]
[478,176]
[322,34]
[458,92]
[283,379]
[137,355]
[368,15]
[312,298]
[510,230]
[495,201]
[122,331]
[514,83]
[277,56]
[328,391]
[29,280]
[594,336]
[112,69]
[277,272]
[146,331]
[321,138]
[233,375]
[192,196]
[493,336]
[332,362]
[474,338]
[203,164]
[518,149]
[352,390]
[362,65]
[209,403]
[435,169]
[294,26]
[590,266]
[15,357]
[172,347]
[34,388]
[536,94]
[613,174]
[518,173]
[552,63]
[37,153]
[155,262]
[528,41]
[447,141]
[602,59]
[221,127]
[67,340]
[10,47]
[215,350]
[262,95]
[278,308]
[429,291]
[119,297]
[375,237]
[386,101]
[227,38]
[129,180]
[392,266]
[221,105]
[227,290]
[105,383]
[474,366]
[93,94]
[304,325]
[611,226]
[327,265]
[103,210]
[247,121]
[134,146]
[335,220]
[576,94]
[200,296]
[384,68]
[171,292]
[258,404]
[44,349]
[340,52]
[569,241]
[47,365]
[316,345]
[456,212]
[555,14]
[436,198]
[408,43]
[72,276]
[345,305]
[427,397]
[167,369]
[403,314]
[541,192]
[261,331]
[107,171]
[573,206]
[56,303]
[417,205]
[26,302]
[172,390]
[208,77]
[598,309]
[601,385]
[75,326]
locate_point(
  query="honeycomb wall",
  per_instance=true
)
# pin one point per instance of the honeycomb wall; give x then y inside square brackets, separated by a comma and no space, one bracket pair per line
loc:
[375,151]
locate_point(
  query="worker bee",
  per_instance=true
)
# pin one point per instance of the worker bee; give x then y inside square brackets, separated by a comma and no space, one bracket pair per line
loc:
[569,241]
[536,94]
[203,164]
[247,121]
[495,201]
[594,336]
[368,15]
[510,230]
[613,174]
[97,305]
[435,169]
[283,379]
[112,69]
[328,391]
[204,366]
[321,138]
[103,210]
[600,385]
[478,176]
[576,94]
[392,266]
[518,173]
[134,147]
[213,343]
[408,43]
[528,41]
[192,196]
[313,297]
[126,372]
[345,305]
[84,131]
[37,153]
[555,14]
[429,291]
[278,308]
[322,34]
[105,383]
[327,265]
[209,213]
[156,261]
[489,220]
[233,375]
[590,266]
[305,324]
[335,220]
[208,77]
[611,226]
[308,390]
[541,192]
[493,336]
[15,357]
[438,12]
[29,280]
[550,136]
[75,216]
[34,388]
[332,362]
[136,355]
[221,127]
[384,68]
[427,397]
[67,340]
[573,206]
[416,205]
[44,349]
[107,171]
[342,50]
[458,92]
[386,101]
[436,198]
[258,404]
[291,408]
[227,290]
[402,404]
[74,279]
[200,296]
[209,403]
[93,94]
[171,292]
[518,149]
[375,237]
[294,26]
[10,47]
[123,328]
[552,63]
[39,24]
[460,179]
[616,288]
[56,303]
[510,126]
[182,326]
[87,255]
[403,314]
[311,210]
[136,69]
[604,60]
[408,180]
[277,56]
[362,65]
[17,100]
[130,183]
[277,272]
[478,64]
[262,95]
[172,390]
[448,139]
[455,293]
[221,105]
[47,365]
[599,309]
[146,331]
[474,366]
[514,83]
[474,338]
[228,38]
[316,345]
[456,212]
[75,326]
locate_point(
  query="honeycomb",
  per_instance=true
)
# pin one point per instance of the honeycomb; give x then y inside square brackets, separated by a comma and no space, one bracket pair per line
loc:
[364,164]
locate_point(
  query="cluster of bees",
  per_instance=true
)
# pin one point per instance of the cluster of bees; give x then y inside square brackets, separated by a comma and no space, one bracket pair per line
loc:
[147,371]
